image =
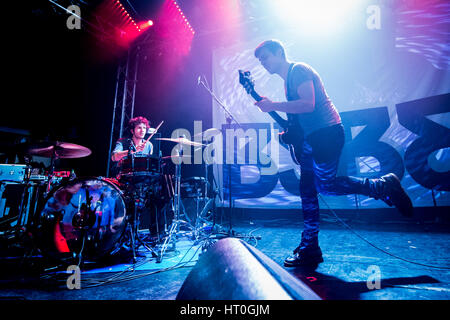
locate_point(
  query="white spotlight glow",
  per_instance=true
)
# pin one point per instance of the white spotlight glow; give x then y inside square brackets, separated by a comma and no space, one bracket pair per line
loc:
[316,15]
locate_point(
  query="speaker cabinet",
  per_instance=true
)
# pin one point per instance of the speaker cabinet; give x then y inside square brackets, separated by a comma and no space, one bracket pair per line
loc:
[234,270]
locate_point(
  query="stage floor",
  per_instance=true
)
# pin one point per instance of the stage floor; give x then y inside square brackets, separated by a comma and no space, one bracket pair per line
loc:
[403,253]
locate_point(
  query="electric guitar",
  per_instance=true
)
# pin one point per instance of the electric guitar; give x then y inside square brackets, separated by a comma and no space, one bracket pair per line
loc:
[292,135]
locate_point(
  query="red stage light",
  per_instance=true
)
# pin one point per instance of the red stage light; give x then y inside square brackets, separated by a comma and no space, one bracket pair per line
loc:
[145,25]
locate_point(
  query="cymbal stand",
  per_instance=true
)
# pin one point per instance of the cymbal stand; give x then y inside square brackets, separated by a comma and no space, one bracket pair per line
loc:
[53,158]
[83,220]
[134,229]
[23,217]
[175,226]
[206,203]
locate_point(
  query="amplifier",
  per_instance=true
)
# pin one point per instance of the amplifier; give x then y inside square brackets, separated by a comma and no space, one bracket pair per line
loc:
[12,172]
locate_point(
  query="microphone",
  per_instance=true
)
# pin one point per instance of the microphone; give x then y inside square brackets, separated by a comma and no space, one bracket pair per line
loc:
[199,80]
[131,147]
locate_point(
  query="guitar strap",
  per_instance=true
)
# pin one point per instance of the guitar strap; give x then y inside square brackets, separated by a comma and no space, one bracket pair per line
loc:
[291,116]
[288,82]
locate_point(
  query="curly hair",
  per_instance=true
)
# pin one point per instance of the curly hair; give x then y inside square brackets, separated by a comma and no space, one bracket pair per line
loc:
[137,121]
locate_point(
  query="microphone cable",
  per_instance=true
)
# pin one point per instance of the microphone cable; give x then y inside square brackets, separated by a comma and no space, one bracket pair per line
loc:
[376,247]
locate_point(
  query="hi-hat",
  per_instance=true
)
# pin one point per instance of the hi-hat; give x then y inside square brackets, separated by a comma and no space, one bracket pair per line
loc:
[62,150]
[183,141]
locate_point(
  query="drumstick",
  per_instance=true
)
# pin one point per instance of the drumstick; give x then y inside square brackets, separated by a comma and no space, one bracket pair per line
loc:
[156,130]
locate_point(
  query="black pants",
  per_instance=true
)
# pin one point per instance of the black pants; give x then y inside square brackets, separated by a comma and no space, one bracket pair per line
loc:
[319,163]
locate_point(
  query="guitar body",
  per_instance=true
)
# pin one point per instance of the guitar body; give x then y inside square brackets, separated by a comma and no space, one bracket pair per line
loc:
[293,133]
[294,140]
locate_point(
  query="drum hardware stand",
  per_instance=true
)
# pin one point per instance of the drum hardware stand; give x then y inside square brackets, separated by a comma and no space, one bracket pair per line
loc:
[206,205]
[175,226]
[208,202]
[84,221]
[21,221]
[215,192]
[136,199]
[51,171]
[25,202]
[133,228]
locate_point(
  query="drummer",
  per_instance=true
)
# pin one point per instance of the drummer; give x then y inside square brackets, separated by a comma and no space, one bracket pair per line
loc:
[135,145]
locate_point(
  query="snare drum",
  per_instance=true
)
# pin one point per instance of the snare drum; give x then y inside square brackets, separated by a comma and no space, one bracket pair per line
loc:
[139,168]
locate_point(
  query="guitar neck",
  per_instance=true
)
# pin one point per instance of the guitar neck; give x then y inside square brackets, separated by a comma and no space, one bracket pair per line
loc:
[275,116]
[255,95]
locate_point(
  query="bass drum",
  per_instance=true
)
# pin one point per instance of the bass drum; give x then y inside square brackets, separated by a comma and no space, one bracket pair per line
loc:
[70,225]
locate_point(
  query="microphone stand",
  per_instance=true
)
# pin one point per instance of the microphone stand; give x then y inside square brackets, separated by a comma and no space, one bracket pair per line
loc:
[229,119]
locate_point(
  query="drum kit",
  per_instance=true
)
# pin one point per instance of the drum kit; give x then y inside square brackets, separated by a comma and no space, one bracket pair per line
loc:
[82,219]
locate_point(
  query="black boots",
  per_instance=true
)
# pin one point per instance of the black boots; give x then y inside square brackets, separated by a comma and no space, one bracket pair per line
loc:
[307,254]
[389,189]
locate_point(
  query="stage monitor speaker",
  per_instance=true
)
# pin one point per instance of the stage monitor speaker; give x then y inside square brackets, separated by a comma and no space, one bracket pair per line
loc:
[234,270]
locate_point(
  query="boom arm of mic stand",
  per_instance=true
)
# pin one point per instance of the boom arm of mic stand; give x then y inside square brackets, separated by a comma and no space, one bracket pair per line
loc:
[229,119]
[229,115]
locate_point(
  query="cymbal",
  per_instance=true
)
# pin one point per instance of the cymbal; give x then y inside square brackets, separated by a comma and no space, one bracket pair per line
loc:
[183,141]
[176,157]
[208,132]
[64,150]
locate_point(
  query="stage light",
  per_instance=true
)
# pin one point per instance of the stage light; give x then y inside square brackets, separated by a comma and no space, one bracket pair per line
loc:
[317,15]
[145,25]
[174,4]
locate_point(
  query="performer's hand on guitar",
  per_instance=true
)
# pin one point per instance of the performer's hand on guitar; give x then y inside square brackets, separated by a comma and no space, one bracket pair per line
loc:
[266,105]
